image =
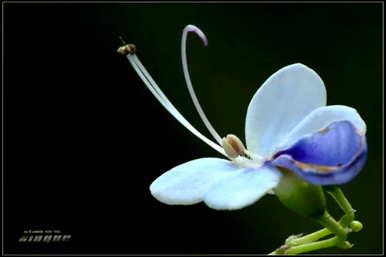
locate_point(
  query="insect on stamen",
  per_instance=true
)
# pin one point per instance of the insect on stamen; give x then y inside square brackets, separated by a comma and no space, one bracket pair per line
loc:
[126,49]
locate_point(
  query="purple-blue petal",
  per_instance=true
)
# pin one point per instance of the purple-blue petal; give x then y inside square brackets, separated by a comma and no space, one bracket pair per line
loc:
[332,156]
[333,146]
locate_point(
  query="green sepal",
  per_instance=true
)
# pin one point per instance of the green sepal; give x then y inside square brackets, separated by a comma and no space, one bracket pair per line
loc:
[299,196]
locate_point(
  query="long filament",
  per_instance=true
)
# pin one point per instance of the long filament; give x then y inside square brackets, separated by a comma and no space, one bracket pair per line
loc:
[187,29]
[160,96]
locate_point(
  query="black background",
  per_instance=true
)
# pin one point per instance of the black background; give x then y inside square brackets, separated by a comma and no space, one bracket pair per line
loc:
[83,139]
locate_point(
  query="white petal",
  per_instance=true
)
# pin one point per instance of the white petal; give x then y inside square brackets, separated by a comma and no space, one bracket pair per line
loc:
[242,189]
[280,104]
[188,182]
[321,118]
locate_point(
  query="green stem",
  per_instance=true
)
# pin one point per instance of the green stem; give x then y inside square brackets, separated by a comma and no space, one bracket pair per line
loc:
[313,246]
[307,243]
[309,238]
[343,203]
[331,242]
[333,226]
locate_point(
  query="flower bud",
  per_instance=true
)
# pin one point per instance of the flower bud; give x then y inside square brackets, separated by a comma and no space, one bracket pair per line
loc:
[299,196]
[356,226]
[233,146]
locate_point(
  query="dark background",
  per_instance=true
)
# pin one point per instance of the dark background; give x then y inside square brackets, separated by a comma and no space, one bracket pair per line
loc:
[84,139]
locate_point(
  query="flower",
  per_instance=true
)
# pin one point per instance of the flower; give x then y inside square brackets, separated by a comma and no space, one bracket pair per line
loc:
[288,126]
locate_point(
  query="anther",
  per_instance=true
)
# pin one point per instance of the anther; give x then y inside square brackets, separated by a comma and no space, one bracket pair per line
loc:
[233,146]
[127,49]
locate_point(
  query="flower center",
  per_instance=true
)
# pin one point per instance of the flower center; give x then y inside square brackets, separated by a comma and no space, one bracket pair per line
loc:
[233,147]
[237,152]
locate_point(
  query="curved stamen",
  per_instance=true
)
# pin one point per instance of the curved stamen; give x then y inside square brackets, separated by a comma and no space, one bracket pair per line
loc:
[160,96]
[187,29]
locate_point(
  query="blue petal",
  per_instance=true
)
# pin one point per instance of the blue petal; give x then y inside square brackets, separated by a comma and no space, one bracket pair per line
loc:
[281,103]
[189,182]
[243,189]
[332,156]
[319,119]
